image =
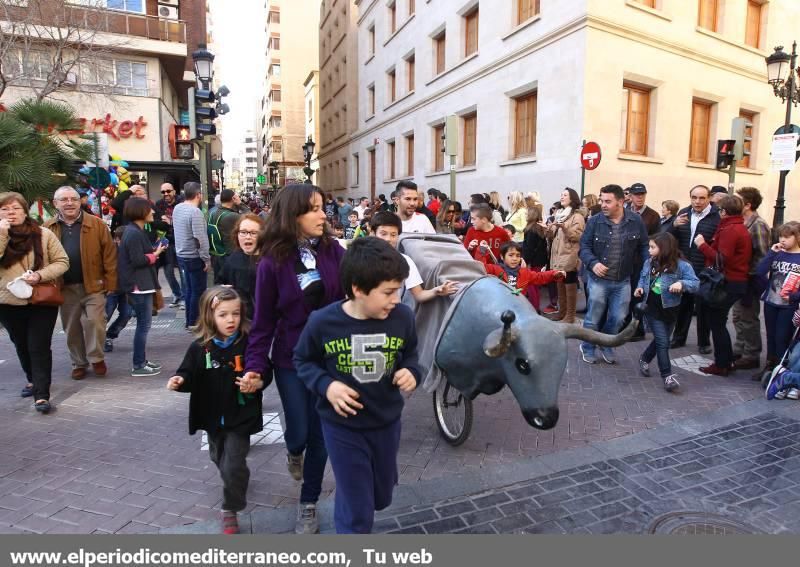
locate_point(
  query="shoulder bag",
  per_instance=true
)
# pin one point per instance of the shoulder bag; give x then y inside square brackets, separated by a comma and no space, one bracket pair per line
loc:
[47,294]
[713,284]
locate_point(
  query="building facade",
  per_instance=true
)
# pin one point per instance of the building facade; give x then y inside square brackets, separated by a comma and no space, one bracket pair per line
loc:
[129,84]
[290,56]
[311,106]
[339,92]
[654,82]
[251,169]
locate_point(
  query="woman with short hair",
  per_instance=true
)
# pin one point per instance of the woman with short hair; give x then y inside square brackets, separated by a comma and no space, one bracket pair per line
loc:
[33,255]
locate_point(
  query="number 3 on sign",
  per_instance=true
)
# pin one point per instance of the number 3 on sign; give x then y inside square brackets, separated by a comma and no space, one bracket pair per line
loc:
[375,360]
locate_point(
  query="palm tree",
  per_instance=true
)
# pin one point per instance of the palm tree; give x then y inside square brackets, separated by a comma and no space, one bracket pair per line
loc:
[36,155]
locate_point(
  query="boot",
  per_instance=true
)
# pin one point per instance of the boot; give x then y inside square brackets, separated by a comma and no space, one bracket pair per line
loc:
[562,303]
[571,293]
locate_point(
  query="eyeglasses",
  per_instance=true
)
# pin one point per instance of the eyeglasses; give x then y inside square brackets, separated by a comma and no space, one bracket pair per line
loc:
[167,192]
[248,233]
[451,211]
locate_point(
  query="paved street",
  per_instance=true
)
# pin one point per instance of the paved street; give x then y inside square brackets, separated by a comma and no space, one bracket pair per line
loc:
[115,456]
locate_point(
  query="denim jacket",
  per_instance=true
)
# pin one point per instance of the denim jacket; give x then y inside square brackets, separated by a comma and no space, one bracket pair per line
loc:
[595,242]
[685,275]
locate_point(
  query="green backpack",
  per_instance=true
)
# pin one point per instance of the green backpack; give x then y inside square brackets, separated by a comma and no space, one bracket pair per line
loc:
[216,242]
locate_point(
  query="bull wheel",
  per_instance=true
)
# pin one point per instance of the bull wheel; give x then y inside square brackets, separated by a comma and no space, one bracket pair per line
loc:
[453,414]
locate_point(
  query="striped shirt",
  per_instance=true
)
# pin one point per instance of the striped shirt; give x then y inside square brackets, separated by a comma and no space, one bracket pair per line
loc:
[191,233]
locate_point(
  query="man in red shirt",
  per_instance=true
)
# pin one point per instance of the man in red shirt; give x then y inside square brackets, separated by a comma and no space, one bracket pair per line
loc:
[483,231]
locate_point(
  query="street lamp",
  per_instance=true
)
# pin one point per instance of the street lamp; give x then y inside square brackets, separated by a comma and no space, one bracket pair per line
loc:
[203,65]
[781,75]
[308,151]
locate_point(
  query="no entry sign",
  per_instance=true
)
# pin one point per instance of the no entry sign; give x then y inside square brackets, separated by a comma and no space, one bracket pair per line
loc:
[590,155]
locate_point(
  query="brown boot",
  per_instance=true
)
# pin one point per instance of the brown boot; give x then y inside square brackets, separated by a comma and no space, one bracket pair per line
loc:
[571,290]
[562,303]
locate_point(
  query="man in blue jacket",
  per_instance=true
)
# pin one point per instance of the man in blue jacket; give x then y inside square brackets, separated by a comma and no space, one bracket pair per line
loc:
[609,246]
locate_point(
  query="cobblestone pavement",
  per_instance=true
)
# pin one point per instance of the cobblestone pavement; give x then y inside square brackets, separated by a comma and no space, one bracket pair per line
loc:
[115,455]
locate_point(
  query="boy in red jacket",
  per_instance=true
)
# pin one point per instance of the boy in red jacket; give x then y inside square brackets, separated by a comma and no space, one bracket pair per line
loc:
[511,271]
[482,230]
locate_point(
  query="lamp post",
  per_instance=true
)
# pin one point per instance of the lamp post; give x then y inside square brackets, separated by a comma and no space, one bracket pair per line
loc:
[204,71]
[781,75]
[308,151]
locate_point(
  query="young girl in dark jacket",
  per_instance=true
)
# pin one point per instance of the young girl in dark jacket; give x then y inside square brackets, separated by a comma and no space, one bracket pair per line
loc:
[240,267]
[223,403]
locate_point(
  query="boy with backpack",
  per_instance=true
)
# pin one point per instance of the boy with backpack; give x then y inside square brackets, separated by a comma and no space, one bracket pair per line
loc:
[220,228]
[360,355]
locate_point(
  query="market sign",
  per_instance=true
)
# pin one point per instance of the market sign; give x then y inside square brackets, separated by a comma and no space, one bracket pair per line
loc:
[118,130]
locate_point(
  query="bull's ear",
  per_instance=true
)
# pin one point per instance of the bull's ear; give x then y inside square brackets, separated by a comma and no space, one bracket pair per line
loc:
[497,342]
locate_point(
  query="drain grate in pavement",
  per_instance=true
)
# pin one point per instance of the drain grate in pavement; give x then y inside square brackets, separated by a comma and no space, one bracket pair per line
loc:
[699,523]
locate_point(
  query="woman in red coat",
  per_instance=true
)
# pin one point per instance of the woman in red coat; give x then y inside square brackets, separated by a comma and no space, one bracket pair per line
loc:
[733,245]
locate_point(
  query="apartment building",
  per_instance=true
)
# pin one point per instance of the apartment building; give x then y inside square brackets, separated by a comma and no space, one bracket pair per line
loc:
[132,87]
[311,85]
[292,52]
[251,168]
[339,91]
[654,82]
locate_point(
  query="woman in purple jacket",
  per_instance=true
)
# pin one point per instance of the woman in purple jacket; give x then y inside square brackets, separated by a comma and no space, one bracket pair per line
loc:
[298,273]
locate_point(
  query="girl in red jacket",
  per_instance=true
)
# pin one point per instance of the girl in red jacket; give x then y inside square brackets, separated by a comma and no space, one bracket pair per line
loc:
[511,270]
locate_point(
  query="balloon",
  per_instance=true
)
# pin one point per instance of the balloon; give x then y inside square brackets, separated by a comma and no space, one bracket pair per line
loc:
[114,178]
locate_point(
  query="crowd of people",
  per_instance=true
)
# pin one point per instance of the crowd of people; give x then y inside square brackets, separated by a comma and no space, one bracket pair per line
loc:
[308,296]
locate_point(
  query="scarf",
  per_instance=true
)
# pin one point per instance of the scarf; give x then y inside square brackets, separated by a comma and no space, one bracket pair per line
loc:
[21,240]
[225,343]
[562,214]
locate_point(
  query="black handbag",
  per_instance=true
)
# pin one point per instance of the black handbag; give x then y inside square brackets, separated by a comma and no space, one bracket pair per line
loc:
[713,285]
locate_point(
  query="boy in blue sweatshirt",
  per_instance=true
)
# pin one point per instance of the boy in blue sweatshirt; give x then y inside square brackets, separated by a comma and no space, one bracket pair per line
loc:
[359,355]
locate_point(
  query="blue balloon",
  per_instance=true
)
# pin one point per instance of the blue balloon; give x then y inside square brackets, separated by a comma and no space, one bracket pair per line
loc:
[114,179]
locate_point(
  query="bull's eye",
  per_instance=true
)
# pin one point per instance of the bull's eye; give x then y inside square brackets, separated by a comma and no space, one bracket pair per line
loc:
[523,366]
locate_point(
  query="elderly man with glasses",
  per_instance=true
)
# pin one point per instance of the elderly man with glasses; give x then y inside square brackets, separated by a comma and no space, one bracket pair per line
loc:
[92,273]
[164,208]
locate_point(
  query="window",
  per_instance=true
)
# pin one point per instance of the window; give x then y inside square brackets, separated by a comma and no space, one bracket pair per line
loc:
[131,78]
[707,14]
[411,70]
[438,154]
[355,169]
[36,65]
[275,43]
[410,155]
[371,100]
[411,7]
[391,84]
[371,37]
[103,75]
[748,132]
[390,158]
[526,9]
[470,128]
[752,35]
[525,125]
[275,95]
[276,147]
[438,53]
[701,121]
[392,18]
[471,33]
[122,5]
[274,17]
[635,120]
[275,70]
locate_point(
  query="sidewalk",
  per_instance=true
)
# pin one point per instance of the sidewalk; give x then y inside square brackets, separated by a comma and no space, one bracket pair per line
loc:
[115,456]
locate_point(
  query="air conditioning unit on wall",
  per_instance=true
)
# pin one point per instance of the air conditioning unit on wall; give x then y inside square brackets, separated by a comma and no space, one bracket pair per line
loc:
[168,2]
[167,12]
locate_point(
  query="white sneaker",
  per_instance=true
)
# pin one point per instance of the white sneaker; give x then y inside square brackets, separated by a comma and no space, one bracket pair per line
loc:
[793,394]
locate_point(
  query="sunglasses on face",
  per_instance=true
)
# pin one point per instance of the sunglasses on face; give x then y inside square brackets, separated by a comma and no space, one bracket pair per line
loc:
[167,192]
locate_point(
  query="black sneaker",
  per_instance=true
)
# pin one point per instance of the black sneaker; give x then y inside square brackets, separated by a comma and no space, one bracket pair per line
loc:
[108,346]
[644,368]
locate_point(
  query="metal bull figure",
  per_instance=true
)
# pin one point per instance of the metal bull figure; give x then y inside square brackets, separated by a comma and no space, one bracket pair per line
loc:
[495,338]
[486,337]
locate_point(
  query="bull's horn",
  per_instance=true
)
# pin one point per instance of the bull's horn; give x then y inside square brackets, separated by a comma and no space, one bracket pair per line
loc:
[598,338]
[498,341]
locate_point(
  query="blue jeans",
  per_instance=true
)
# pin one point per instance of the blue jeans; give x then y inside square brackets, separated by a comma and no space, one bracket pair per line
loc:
[364,462]
[303,430]
[778,321]
[609,298]
[194,275]
[659,346]
[170,263]
[143,307]
[117,301]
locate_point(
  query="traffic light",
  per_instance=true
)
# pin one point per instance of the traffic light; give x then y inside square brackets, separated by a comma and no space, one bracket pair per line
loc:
[742,132]
[725,153]
[199,114]
[180,142]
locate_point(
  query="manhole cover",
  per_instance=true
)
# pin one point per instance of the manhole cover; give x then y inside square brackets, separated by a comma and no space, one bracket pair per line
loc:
[699,523]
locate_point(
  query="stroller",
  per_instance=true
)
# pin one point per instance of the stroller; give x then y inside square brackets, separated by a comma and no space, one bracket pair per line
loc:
[787,361]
